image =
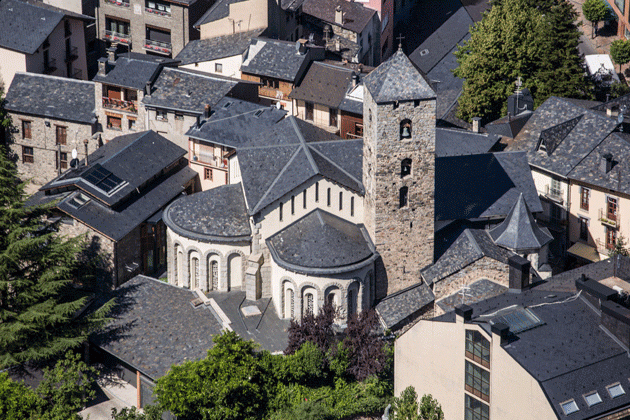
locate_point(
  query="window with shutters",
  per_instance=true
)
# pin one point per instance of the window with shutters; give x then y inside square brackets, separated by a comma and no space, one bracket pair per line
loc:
[26,129]
[61,134]
[27,154]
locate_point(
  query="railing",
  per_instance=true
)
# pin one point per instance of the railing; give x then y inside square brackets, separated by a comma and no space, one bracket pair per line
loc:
[210,159]
[609,219]
[553,194]
[118,37]
[157,12]
[158,46]
[50,66]
[270,92]
[76,74]
[123,3]
[602,247]
[128,106]
[72,54]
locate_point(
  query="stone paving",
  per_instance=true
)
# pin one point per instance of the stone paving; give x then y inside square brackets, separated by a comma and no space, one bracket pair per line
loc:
[110,394]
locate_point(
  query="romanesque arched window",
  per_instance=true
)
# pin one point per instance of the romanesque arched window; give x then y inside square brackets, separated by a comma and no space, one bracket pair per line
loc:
[194,273]
[352,303]
[405,167]
[405,129]
[403,198]
[213,275]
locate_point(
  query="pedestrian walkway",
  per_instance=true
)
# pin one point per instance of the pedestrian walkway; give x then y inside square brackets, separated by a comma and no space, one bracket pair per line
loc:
[111,393]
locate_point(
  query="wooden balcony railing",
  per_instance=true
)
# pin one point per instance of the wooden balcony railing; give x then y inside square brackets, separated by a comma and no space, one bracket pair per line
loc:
[270,92]
[127,106]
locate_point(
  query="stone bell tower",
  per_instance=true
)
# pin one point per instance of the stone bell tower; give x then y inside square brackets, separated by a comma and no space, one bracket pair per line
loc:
[399,170]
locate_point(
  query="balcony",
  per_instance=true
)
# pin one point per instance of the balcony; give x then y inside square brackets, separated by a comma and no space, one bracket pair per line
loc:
[208,158]
[158,46]
[609,220]
[269,92]
[554,194]
[76,74]
[603,247]
[118,37]
[157,12]
[121,3]
[50,66]
[72,54]
[120,105]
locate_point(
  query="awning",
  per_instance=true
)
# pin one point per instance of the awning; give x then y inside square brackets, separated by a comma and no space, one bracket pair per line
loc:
[584,251]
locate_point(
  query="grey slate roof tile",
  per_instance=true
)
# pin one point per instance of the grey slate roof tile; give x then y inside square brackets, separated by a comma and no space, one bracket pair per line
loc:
[323,84]
[24,27]
[65,99]
[456,142]
[274,58]
[399,306]
[218,214]
[474,292]
[189,91]
[509,126]
[219,10]
[356,16]
[200,50]
[133,70]
[398,79]
[321,242]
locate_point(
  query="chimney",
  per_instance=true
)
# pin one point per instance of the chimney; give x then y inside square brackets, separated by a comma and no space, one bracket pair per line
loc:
[147,88]
[206,112]
[102,66]
[605,163]
[85,144]
[463,313]
[111,54]
[302,48]
[355,79]
[476,122]
[609,110]
[519,273]
[327,31]
[501,332]
[337,44]
[338,15]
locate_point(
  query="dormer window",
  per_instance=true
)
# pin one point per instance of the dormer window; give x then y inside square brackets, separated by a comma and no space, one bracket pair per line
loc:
[405,129]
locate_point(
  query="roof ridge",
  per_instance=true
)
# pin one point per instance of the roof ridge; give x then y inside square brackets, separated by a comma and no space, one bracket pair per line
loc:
[337,166]
[473,241]
[297,150]
[126,147]
[303,145]
[50,76]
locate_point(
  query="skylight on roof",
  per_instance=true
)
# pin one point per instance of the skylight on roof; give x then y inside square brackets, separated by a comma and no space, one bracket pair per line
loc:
[569,407]
[519,319]
[258,113]
[102,178]
[79,200]
[615,390]
[227,104]
[592,398]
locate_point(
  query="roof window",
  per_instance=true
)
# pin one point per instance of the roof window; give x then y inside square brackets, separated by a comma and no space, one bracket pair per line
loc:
[615,390]
[592,398]
[258,113]
[79,200]
[569,407]
[227,104]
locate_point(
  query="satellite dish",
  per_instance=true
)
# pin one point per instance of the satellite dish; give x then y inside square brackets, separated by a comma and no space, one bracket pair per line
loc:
[278,105]
[74,163]
[74,153]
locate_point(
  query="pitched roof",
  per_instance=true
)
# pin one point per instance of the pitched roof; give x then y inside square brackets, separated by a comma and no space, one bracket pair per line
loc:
[482,186]
[398,79]
[218,214]
[456,142]
[322,243]
[274,58]
[219,10]
[295,151]
[184,90]
[200,50]
[398,307]
[24,27]
[509,126]
[66,99]
[323,84]
[471,293]
[355,16]
[519,232]
[133,70]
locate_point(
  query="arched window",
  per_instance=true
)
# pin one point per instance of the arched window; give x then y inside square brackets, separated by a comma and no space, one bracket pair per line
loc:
[234,266]
[405,167]
[405,129]
[352,307]
[194,273]
[288,305]
[175,263]
[403,197]
[213,274]
[308,300]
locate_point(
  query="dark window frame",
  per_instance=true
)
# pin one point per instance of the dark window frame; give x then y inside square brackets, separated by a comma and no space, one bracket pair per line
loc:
[27,132]
[28,155]
[61,134]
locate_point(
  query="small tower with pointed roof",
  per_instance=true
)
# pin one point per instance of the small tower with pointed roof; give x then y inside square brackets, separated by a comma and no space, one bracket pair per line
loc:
[399,170]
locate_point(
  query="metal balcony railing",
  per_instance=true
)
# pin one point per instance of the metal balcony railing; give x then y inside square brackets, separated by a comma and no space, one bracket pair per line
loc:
[76,74]
[118,37]
[122,3]
[72,54]
[210,159]
[50,66]
[127,106]
[270,92]
[611,220]
[602,247]
[157,12]
[158,46]
[554,194]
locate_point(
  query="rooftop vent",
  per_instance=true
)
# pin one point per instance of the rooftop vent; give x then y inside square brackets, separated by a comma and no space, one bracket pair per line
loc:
[424,52]
[606,163]
[338,15]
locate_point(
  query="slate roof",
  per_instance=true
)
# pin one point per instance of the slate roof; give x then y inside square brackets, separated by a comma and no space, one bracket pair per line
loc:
[322,243]
[324,84]
[571,131]
[569,355]
[474,292]
[295,151]
[482,186]
[218,214]
[509,126]
[274,58]
[200,50]
[183,90]
[66,99]
[455,142]
[133,70]
[519,232]
[470,246]
[353,102]
[219,10]
[24,27]
[394,309]
[355,16]
[397,79]
[234,122]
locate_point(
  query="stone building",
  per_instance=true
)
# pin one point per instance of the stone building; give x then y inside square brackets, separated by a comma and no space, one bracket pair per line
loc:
[115,198]
[39,38]
[45,133]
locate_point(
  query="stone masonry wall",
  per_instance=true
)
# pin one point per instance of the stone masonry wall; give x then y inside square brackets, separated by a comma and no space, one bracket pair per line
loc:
[403,236]
[102,113]
[44,143]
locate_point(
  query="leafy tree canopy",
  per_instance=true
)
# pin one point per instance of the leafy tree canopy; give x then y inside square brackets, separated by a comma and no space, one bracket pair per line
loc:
[406,407]
[595,11]
[537,42]
[620,51]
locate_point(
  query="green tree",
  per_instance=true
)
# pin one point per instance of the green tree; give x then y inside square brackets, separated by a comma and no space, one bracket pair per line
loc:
[618,89]
[406,407]
[620,52]
[430,409]
[151,412]
[517,38]
[595,11]
[5,120]
[17,401]
[37,301]
[619,248]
